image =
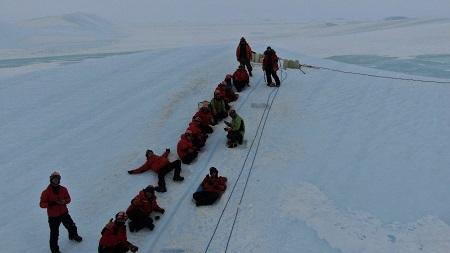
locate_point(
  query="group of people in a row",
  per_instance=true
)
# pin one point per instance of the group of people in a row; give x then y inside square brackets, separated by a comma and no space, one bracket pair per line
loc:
[114,235]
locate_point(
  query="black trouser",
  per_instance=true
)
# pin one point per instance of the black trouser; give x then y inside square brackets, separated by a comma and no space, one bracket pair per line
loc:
[54,223]
[235,137]
[187,159]
[140,219]
[117,249]
[168,168]
[269,74]
[206,129]
[205,197]
[220,116]
[240,84]
[246,62]
[198,143]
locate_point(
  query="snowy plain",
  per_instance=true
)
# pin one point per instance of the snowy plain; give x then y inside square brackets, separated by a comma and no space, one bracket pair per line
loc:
[334,162]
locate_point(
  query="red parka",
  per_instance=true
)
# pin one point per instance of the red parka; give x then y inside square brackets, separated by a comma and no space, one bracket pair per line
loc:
[241,75]
[270,55]
[248,51]
[185,147]
[114,236]
[154,162]
[205,116]
[48,196]
[214,184]
[144,204]
[196,131]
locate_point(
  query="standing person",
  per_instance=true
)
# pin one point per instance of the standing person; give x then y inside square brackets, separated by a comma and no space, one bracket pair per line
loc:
[186,149]
[270,66]
[244,54]
[114,236]
[162,166]
[240,78]
[55,199]
[140,209]
[212,187]
[235,129]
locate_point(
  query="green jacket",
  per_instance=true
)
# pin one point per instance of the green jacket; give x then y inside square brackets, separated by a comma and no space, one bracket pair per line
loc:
[218,105]
[237,124]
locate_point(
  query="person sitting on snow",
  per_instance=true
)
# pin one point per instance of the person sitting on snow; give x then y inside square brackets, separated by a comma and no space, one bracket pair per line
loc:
[212,187]
[114,236]
[162,166]
[229,89]
[199,138]
[140,209]
[240,78]
[235,129]
[218,106]
[186,149]
[206,115]
[221,87]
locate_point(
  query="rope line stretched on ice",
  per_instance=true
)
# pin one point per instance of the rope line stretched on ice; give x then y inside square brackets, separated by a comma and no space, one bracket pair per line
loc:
[376,76]
[262,122]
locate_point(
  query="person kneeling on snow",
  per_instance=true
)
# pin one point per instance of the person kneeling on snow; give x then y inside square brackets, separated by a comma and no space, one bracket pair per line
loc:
[235,129]
[114,236]
[162,166]
[140,209]
[211,187]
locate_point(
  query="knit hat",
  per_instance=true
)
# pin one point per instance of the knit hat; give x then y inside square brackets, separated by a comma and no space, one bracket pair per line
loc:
[150,188]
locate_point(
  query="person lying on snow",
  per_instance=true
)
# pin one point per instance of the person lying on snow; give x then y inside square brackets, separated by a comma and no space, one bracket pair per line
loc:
[212,188]
[162,166]
[114,236]
[140,209]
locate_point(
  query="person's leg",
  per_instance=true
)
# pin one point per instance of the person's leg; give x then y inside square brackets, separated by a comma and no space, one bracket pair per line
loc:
[54,223]
[268,77]
[70,226]
[275,76]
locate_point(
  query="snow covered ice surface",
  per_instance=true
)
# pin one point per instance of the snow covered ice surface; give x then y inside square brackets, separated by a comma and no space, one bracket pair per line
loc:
[334,162]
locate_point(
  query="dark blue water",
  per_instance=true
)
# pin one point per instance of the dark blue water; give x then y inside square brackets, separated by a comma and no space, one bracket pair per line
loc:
[423,65]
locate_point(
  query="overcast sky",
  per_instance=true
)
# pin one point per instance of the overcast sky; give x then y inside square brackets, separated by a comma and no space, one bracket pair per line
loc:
[224,10]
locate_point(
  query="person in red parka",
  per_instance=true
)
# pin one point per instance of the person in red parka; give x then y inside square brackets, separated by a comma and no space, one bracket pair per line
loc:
[270,66]
[114,236]
[205,114]
[162,166]
[244,54]
[199,138]
[55,199]
[211,188]
[140,209]
[186,149]
[240,78]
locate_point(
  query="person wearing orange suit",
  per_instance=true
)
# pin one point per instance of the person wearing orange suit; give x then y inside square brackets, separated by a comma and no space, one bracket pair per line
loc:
[244,54]
[270,66]
[140,209]
[186,149]
[205,115]
[211,188]
[199,138]
[114,236]
[55,199]
[240,78]
[162,166]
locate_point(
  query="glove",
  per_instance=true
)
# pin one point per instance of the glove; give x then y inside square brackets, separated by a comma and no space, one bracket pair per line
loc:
[53,203]
[225,128]
[130,172]
[157,217]
[168,150]
[110,224]
[162,211]
[211,183]
[132,248]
